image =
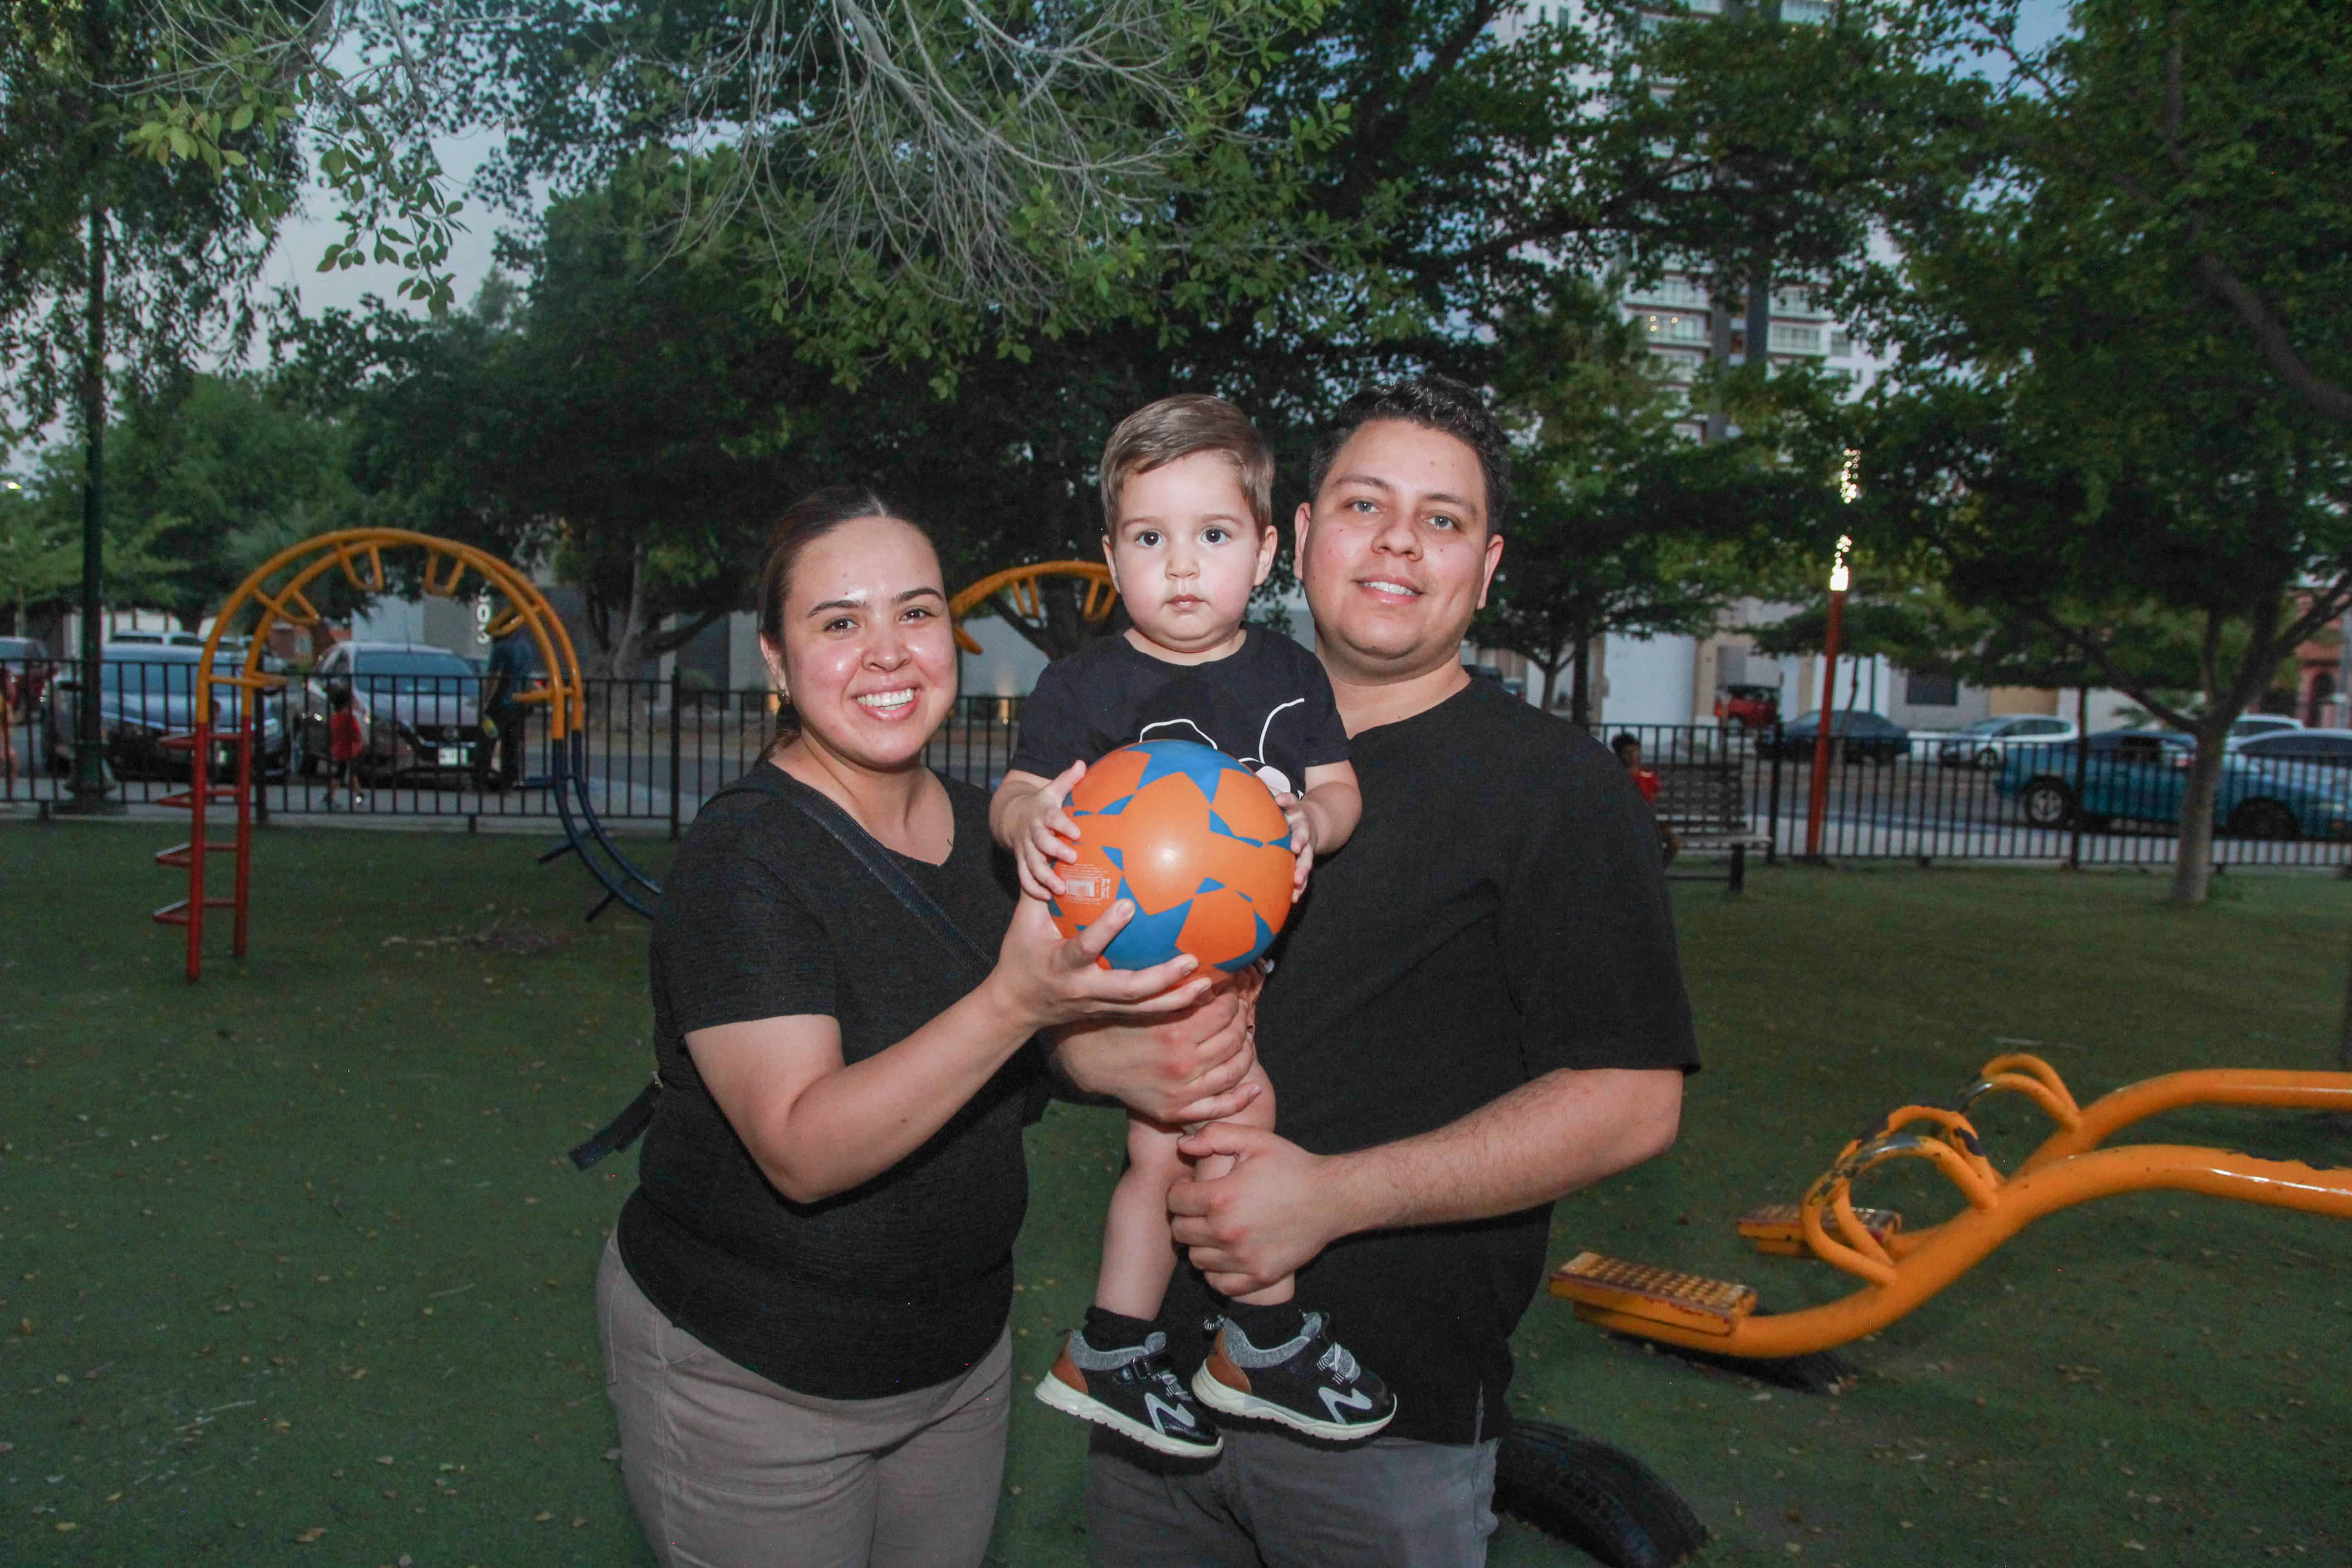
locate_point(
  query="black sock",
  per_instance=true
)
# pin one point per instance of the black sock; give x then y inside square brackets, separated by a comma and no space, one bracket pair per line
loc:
[1107,1330]
[1276,1323]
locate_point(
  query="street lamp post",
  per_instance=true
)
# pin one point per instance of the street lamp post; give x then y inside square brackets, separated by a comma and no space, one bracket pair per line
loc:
[91,793]
[1817,800]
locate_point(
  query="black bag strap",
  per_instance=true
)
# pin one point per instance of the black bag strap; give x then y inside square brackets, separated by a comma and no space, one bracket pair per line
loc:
[622,1130]
[845,832]
[765,780]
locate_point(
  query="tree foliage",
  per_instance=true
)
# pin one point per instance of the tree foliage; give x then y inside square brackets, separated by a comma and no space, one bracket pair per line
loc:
[182,249]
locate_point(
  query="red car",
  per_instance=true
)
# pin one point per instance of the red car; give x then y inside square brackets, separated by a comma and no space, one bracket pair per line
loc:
[1747,707]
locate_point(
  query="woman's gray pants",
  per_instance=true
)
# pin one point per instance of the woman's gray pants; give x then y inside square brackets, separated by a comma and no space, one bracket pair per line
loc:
[727,1469]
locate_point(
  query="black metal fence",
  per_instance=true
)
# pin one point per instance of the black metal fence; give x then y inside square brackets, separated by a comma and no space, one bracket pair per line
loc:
[431,745]
[2051,802]
[450,746]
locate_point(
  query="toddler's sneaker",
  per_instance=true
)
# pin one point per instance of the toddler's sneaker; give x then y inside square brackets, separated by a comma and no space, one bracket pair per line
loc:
[1310,1383]
[1133,1392]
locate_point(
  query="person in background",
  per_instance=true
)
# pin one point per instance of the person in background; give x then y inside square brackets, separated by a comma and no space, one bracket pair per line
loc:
[7,729]
[1628,747]
[503,685]
[346,741]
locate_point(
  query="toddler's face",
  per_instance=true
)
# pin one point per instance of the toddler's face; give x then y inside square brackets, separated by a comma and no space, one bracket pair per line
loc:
[1185,552]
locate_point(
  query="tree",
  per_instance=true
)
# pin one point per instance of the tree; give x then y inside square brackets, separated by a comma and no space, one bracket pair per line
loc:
[2116,296]
[40,560]
[42,547]
[205,465]
[2198,146]
[2163,528]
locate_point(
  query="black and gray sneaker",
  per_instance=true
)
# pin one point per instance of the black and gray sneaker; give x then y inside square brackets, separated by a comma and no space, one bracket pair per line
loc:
[1133,1392]
[1310,1383]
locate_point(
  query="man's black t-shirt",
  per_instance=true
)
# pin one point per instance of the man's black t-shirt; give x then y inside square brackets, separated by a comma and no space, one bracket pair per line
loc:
[899,1284]
[1500,913]
[1267,704]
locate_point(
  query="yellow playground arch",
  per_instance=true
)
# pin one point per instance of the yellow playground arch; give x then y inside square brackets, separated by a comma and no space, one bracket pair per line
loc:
[277,590]
[1018,584]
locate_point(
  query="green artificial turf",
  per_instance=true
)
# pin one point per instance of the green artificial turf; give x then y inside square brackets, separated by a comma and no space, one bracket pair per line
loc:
[297,1250]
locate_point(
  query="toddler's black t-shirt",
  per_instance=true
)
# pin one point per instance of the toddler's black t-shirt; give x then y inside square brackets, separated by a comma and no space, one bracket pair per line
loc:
[1267,704]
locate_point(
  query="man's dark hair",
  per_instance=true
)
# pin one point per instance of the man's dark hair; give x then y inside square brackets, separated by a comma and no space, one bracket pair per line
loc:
[1434,403]
[1623,739]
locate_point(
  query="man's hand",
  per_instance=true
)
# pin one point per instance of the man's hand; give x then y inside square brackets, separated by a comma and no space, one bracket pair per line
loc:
[1181,1070]
[1259,1222]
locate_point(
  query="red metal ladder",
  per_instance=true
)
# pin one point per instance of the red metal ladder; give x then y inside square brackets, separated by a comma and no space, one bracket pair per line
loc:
[198,797]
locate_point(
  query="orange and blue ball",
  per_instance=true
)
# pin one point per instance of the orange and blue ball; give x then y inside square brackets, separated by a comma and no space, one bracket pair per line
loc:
[1194,840]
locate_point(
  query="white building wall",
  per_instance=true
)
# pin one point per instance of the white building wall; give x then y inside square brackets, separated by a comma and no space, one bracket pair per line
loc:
[387,619]
[1648,679]
[1007,664]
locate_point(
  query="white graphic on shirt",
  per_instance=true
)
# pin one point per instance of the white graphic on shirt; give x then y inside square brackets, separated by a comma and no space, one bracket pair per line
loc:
[1276,779]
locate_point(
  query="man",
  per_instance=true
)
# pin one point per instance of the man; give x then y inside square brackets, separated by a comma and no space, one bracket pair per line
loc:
[1479,1009]
[508,676]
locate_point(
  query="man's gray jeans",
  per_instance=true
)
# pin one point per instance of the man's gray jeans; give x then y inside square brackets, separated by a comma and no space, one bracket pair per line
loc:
[1271,1502]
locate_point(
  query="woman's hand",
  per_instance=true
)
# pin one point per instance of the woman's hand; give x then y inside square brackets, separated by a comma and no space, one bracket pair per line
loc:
[1047,979]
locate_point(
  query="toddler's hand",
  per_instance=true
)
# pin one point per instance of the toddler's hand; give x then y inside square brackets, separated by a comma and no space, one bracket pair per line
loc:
[1042,834]
[1302,841]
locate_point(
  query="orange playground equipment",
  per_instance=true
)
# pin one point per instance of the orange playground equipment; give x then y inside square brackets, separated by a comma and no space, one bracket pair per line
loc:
[1016,590]
[275,592]
[1899,1268]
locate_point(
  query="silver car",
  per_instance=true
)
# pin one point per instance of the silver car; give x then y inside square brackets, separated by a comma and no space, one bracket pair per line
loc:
[1983,745]
[419,707]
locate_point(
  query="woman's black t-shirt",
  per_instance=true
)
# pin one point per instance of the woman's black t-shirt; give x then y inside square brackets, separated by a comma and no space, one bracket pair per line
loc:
[902,1283]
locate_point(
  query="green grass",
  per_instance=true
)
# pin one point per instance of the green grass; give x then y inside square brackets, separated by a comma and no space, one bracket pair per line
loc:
[259,1237]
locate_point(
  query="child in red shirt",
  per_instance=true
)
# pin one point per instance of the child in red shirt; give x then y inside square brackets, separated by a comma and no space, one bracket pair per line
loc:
[1628,747]
[346,740]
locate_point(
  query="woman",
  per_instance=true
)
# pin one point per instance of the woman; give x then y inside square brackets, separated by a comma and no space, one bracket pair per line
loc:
[805,1307]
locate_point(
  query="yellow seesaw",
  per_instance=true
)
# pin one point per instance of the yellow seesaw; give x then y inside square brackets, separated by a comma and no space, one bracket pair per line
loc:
[1900,1268]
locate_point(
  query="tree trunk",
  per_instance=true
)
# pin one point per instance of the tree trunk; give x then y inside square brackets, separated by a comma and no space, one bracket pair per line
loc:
[1551,676]
[628,648]
[1579,683]
[2193,868]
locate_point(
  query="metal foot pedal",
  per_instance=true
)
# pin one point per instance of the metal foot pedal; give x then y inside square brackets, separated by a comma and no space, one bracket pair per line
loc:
[1598,1284]
[1776,1228]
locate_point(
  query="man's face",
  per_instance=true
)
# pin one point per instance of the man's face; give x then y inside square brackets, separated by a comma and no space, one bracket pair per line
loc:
[1632,757]
[1395,551]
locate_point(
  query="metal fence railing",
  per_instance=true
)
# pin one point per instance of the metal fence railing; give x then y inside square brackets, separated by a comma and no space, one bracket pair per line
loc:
[1897,798]
[655,750]
[434,744]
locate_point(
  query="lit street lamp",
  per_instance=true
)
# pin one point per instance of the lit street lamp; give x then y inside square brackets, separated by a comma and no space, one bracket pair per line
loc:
[1818,798]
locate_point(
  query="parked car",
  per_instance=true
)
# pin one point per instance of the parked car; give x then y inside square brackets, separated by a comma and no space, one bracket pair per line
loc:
[2300,748]
[1856,736]
[2250,725]
[419,706]
[147,695]
[1743,707]
[1983,743]
[2142,776]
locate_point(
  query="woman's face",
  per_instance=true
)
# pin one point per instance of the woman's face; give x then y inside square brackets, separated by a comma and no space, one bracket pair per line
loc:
[868,657]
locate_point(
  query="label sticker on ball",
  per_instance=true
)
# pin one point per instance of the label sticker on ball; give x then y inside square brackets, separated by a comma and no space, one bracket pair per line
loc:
[1084,881]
